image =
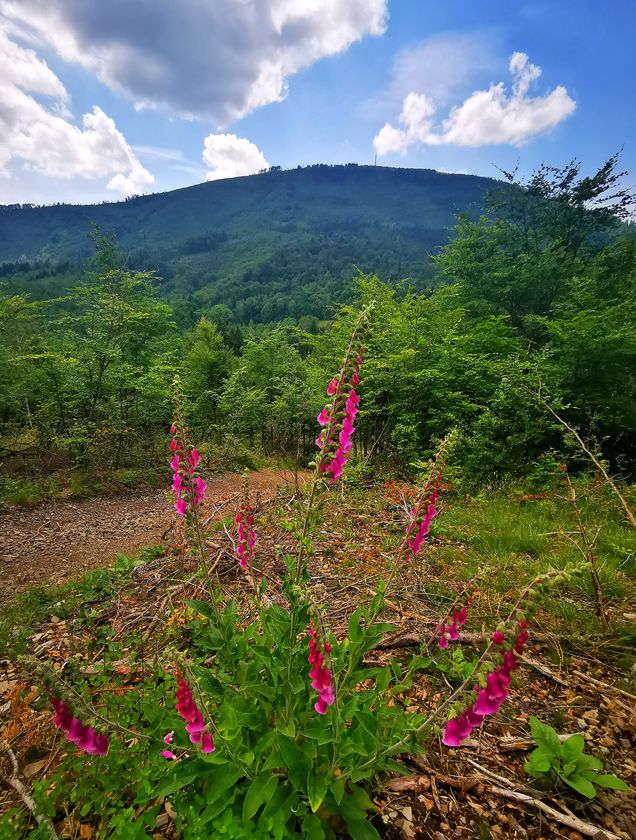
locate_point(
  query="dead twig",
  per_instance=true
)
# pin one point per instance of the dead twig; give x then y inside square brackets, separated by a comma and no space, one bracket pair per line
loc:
[14,781]
[513,795]
[600,684]
[587,829]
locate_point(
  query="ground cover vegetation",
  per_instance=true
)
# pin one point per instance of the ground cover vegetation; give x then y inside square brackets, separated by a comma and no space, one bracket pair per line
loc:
[358,659]
[287,673]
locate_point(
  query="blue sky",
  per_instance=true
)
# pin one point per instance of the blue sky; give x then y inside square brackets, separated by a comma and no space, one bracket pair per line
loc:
[101,100]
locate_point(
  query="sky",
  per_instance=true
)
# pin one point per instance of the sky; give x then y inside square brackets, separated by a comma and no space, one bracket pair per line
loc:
[103,99]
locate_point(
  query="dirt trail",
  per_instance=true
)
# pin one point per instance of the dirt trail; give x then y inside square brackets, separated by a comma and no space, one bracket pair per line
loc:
[57,541]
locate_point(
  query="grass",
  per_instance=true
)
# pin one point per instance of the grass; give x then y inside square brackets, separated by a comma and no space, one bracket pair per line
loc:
[78,484]
[511,541]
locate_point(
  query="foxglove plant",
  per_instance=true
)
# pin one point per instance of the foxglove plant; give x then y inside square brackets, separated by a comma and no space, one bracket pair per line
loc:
[189,487]
[192,715]
[424,510]
[320,673]
[246,535]
[338,416]
[448,630]
[495,666]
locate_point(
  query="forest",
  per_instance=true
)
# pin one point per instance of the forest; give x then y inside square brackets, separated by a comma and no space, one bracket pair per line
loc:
[533,303]
[423,627]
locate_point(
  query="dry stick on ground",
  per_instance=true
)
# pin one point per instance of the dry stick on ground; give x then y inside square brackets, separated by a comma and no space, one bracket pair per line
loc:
[14,781]
[599,466]
[587,550]
[570,820]
[605,685]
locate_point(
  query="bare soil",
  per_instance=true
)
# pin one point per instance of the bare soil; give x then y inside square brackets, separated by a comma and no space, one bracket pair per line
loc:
[57,541]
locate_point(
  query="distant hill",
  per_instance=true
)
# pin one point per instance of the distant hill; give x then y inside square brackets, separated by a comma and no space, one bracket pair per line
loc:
[274,245]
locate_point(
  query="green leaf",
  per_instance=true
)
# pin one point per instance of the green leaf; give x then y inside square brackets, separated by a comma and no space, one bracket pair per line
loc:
[419,663]
[338,790]
[580,785]
[288,728]
[297,761]
[317,786]
[588,762]
[313,827]
[202,607]
[183,774]
[354,631]
[383,679]
[220,781]
[545,736]
[609,780]
[540,761]
[259,792]
[572,748]
[361,830]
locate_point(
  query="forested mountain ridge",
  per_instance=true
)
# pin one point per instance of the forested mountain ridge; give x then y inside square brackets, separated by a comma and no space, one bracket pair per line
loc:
[274,245]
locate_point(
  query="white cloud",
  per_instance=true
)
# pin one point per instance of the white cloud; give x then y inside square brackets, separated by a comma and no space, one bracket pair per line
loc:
[442,65]
[229,156]
[41,136]
[487,117]
[219,59]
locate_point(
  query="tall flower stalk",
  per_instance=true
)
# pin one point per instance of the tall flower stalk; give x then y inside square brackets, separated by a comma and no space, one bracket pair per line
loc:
[337,419]
[424,510]
[334,443]
[245,533]
[190,489]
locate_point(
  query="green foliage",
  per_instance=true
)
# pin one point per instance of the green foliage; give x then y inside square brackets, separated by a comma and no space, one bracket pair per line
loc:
[537,293]
[270,247]
[567,762]
[280,769]
[552,258]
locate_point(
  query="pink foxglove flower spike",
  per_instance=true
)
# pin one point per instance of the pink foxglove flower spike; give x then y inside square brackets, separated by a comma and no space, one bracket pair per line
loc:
[338,417]
[84,737]
[191,714]
[189,487]
[320,674]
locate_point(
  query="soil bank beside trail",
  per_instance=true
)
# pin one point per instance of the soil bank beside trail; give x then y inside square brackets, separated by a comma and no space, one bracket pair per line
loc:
[59,540]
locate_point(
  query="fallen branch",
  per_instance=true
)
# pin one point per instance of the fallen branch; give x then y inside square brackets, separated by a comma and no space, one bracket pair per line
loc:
[14,781]
[600,684]
[587,829]
[413,639]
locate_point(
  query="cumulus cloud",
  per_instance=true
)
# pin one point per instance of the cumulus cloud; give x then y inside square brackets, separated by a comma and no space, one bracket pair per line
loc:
[38,131]
[218,60]
[444,64]
[229,156]
[487,117]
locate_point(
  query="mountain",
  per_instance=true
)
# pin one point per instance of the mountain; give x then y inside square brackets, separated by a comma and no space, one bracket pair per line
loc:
[269,246]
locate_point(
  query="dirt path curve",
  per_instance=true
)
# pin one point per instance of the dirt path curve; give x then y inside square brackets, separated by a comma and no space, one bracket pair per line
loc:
[57,541]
